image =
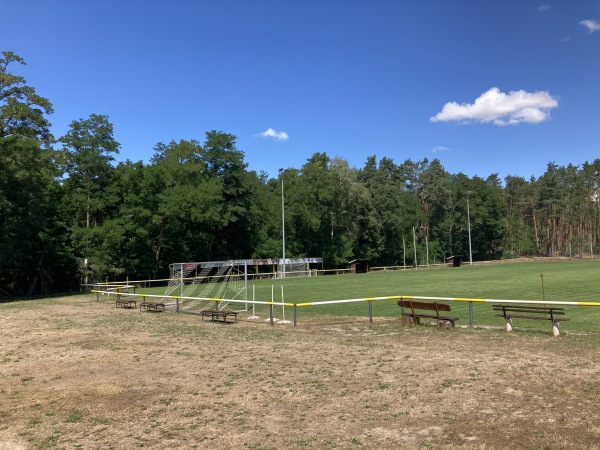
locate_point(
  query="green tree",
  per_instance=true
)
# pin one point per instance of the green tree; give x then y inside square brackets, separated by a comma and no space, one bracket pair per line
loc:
[520,238]
[309,207]
[87,161]
[187,203]
[354,232]
[34,256]
[435,196]
[236,235]
[22,111]
[87,156]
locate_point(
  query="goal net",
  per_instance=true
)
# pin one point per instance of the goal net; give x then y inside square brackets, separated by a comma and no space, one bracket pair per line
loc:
[203,281]
[293,269]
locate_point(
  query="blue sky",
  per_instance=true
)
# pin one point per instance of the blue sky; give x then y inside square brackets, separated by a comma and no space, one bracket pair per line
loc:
[485,86]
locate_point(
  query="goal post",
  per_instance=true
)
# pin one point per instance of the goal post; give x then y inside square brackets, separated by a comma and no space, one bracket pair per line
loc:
[226,280]
[198,281]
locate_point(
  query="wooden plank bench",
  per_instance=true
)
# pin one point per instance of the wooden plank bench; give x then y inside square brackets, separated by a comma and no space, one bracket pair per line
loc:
[532,312]
[125,303]
[152,306]
[412,317]
[219,315]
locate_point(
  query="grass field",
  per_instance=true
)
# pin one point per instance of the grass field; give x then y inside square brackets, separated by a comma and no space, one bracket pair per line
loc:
[82,374]
[570,281]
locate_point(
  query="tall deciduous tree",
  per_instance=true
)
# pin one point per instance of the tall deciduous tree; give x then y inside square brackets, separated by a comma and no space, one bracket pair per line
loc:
[87,155]
[33,254]
[22,111]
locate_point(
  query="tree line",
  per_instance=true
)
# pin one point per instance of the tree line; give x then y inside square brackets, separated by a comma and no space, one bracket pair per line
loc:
[69,212]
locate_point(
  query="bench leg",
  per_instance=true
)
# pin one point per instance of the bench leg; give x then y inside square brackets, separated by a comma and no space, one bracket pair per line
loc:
[556,328]
[508,324]
[407,321]
[445,324]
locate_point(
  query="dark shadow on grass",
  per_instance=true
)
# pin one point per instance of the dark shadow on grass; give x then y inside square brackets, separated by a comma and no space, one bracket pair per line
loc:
[41,297]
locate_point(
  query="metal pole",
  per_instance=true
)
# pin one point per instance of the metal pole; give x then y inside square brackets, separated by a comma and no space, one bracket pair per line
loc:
[181,280]
[271,313]
[469,225]
[404,253]
[415,247]
[371,312]
[282,171]
[246,283]
[295,308]
[543,293]
[282,305]
[471,313]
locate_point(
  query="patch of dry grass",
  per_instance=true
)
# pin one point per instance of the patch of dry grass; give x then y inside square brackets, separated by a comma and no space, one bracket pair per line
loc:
[81,374]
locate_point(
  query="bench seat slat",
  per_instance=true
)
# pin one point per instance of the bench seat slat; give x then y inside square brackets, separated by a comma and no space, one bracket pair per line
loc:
[219,315]
[537,310]
[519,316]
[429,316]
[152,306]
[532,311]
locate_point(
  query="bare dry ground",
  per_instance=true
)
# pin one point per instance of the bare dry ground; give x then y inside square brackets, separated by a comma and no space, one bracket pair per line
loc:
[81,374]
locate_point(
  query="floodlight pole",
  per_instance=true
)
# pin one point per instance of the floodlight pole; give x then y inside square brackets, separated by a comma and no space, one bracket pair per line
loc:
[427,246]
[469,225]
[281,172]
[404,254]
[415,248]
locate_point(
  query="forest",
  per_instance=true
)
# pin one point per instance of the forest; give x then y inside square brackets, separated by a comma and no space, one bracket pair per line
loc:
[69,211]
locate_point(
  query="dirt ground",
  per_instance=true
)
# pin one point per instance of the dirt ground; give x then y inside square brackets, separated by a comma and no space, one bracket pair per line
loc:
[81,374]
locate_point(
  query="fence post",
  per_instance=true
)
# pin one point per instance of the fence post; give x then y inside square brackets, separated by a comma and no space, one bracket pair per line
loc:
[271,313]
[471,313]
[177,305]
[295,308]
[370,311]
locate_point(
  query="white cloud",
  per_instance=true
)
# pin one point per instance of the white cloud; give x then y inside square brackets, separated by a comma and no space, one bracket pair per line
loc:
[440,148]
[275,135]
[591,25]
[543,7]
[499,108]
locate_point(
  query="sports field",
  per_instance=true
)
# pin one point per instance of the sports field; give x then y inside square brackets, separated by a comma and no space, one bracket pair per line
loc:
[570,281]
[78,373]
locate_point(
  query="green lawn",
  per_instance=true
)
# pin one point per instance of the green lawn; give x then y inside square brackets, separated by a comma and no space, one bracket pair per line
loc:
[563,281]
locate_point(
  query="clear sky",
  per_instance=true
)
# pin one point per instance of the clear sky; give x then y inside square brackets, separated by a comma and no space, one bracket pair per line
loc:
[485,86]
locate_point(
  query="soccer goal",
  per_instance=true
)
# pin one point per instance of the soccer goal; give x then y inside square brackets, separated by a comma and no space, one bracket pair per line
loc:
[200,281]
[294,268]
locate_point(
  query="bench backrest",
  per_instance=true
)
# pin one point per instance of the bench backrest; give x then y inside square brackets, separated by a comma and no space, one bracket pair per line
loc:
[424,305]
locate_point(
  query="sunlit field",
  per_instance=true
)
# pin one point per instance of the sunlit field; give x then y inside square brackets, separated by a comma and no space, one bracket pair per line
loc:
[570,281]
[80,373]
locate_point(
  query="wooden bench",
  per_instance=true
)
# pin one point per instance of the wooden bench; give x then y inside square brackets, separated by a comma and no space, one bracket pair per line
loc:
[125,303]
[532,312]
[219,315]
[151,306]
[412,317]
